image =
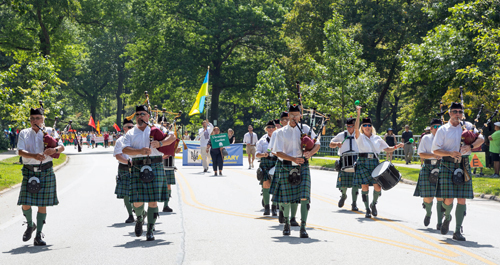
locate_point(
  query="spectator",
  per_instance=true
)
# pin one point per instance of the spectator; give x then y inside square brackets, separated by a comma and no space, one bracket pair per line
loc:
[390,139]
[12,138]
[230,134]
[186,136]
[216,154]
[495,149]
[204,136]
[88,139]
[427,130]
[106,139]
[250,139]
[92,140]
[408,148]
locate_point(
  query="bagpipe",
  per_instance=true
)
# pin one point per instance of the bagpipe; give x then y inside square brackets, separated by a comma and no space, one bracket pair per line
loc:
[306,140]
[69,130]
[48,141]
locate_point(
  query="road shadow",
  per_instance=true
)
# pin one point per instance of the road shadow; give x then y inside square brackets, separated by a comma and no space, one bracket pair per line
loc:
[345,211]
[430,230]
[468,244]
[157,232]
[121,225]
[294,239]
[138,243]
[29,249]
[166,213]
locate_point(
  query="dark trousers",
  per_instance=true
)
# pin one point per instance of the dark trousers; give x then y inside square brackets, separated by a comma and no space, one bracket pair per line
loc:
[217,160]
[105,143]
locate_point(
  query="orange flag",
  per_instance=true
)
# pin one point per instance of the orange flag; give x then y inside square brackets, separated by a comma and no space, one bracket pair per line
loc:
[98,128]
[91,122]
[116,127]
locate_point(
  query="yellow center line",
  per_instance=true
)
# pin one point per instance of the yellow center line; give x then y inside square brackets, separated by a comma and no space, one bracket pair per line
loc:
[319,227]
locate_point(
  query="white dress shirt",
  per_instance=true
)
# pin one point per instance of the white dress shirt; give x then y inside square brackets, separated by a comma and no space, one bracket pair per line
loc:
[364,144]
[119,149]
[252,141]
[448,137]
[32,142]
[204,135]
[425,145]
[346,145]
[270,147]
[288,140]
[263,144]
[137,139]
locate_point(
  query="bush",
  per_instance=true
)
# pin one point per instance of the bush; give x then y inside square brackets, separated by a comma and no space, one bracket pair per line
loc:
[4,143]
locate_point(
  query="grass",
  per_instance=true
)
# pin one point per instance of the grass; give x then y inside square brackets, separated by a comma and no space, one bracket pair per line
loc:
[10,171]
[481,185]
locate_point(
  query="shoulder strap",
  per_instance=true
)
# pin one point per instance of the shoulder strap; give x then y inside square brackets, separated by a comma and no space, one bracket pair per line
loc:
[371,145]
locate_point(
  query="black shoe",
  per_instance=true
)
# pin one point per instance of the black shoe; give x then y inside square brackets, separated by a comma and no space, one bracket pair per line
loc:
[286,230]
[281,217]
[149,234]
[138,227]
[29,232]
[167,209]
[205,170]
[303,233]
[38,240]
[354,207]
[215,173]
[342,200]
[274,210]
[438,226]
[293,222]
[427,220]
[368,213]
[130,219]
[458,236]
[373,207]
[267,211]
[446,226]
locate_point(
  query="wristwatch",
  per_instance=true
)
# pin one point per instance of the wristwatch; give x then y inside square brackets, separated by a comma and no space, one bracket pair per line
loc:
[55,149]
[471,146]
[161,144]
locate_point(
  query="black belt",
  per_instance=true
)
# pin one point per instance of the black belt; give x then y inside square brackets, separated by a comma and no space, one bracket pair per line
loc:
[289,163]
[429,162]
[144,161]
[451,159]
[272,158]
[40,168]
[122,167]
[365,155]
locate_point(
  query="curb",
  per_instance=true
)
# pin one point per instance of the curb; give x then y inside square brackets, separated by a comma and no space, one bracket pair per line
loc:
[411,182]
[19,184]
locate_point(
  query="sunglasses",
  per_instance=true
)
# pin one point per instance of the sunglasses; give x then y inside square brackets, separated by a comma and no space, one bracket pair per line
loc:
[284,119]
[141,114]
[291,116]
[35,118]
[457,111]
[367,125]
[436,126]
[350,126]
[270,127]
[130,127]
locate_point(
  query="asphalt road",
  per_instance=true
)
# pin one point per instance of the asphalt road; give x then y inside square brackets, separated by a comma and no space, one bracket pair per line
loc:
[218,220]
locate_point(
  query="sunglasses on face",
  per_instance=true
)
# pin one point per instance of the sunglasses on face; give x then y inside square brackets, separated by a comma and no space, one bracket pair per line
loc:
[270,127]
[130,127]
[457,111]
[284,120]
[291,116]
[436,126]
[141,114]
[350,126]
[367,125]
[35,118]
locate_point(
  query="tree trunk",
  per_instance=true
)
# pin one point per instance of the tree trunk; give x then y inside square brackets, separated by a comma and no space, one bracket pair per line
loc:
[395,127]
[119,92]
[385,89]
[214,97]
[43,36]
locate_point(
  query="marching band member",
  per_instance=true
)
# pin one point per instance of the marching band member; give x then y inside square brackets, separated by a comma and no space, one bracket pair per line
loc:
[38,187]
[282,122]
[426,186]
[454,158]
[346,142]
[293,162]
[370,145]
[122,189]
[267,161]
[170,172]
[147,176]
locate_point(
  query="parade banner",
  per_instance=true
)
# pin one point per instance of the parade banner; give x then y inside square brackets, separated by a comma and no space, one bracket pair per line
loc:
[192,155]
[219,140]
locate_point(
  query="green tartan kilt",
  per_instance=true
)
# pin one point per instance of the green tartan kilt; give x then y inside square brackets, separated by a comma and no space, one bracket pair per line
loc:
[345,179]
[170,174]
[153,191]
[122,188]
[446,187]
[424,187]
[47,196]
[364,169]
[266,164]
[285,192]
[275,180]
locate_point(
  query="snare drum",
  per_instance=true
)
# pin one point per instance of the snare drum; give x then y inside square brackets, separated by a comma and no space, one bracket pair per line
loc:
[386,175]
[349,161]
[169,163]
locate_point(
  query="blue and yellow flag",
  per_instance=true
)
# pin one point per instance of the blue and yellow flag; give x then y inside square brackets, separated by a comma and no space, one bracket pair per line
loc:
[199,104]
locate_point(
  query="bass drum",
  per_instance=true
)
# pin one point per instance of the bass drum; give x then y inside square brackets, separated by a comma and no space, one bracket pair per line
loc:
[386,175]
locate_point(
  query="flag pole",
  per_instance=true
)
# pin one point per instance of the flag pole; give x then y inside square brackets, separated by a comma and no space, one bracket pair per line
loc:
[208,78]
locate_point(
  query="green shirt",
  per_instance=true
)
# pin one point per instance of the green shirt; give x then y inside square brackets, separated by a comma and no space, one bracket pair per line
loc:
[495,143]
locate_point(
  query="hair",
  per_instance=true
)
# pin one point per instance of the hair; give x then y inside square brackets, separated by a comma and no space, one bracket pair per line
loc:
[374,132]
[213,131]
[230,130]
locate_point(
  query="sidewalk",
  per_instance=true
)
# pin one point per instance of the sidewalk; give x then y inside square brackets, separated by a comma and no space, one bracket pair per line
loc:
[413,165]
[7,154]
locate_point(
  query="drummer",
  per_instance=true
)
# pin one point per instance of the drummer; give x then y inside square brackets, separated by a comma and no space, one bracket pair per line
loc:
[267,161]
[426,187]
[447,145]
[169,172]
[370,145]
[345,179]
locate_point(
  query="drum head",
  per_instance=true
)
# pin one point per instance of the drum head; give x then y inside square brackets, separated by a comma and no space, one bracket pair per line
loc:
[382,167]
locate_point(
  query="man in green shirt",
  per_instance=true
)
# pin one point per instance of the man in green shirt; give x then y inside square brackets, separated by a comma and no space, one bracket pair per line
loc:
[495,149]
